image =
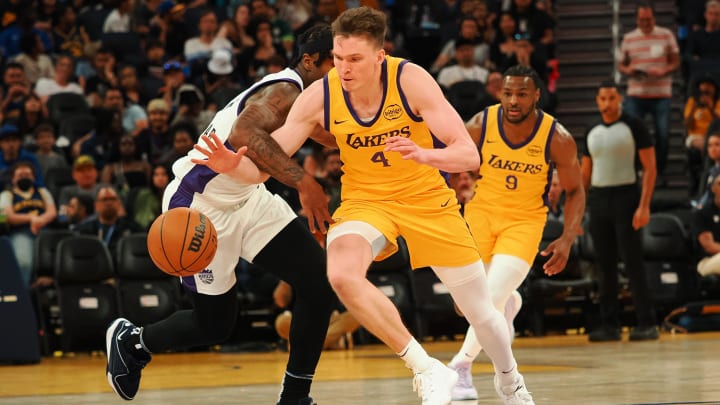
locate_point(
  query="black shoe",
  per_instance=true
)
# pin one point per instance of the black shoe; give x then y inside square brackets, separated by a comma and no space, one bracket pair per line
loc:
[644,333]
[123,368]
[605,335]
[306,401]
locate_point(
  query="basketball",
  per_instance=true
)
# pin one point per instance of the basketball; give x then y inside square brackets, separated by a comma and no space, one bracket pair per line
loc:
[182,242]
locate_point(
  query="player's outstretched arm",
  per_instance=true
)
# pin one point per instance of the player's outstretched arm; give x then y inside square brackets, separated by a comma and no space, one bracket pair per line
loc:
[427,101]
[563,152]
[222,160]
[265,112]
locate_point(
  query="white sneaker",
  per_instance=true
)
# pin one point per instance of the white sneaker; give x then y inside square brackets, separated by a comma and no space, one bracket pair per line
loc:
[464,389]
[435,384]
[515,393]
[512,307]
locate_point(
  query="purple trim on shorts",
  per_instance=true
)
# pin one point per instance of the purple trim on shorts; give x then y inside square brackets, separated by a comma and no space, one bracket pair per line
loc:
[188,282]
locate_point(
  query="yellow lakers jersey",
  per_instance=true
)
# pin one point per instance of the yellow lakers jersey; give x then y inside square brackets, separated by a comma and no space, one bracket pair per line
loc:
[370,173]
[514,178]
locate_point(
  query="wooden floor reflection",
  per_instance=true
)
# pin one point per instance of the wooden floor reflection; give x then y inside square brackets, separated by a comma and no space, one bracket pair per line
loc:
[678,369]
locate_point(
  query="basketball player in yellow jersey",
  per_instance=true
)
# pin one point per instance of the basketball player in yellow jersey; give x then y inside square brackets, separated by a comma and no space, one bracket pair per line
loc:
[519,147]
[381,111]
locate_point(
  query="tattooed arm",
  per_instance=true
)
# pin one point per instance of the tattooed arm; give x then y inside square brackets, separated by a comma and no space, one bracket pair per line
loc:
[265,112]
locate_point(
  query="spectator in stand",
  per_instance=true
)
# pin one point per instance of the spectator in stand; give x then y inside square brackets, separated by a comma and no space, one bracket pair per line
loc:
[493,87]
[80,208]
[85,175]
[119,19]
[219,74]
[190,104]
[62,82]
[294,12]
[701,108]
[235,30]
[15,89]
[469,29]
[184,136]
[200,47]
[537,24]
[46,154]
[109,223]
[35,62]
[466,67]
[44,14]
[525,54]
[134,118]
[132,91]
[252,64]
[155,55]
[101,78]
[703,43]
[502,47]
[649,56]
[29,208]
[34,113]
[170,28]
[706,229]
[712,151]
[144,203]
[173,79]
[155,140]
[128,171]
[11,152]
[282,34]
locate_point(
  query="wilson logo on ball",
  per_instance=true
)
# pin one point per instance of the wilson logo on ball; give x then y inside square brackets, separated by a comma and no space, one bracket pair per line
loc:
[196,241]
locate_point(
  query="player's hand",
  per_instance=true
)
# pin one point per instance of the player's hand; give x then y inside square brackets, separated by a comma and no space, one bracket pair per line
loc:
[640,218]
[314,204]
[219,158]
[560,251]
[407,148]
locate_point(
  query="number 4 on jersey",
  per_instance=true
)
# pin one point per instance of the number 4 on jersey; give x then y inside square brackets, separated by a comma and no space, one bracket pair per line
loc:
[379,157]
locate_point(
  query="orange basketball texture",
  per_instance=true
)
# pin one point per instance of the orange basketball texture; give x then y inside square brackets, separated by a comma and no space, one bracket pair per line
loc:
[182,241]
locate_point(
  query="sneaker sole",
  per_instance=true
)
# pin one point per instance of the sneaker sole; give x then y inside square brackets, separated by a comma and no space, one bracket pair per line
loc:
[108,344]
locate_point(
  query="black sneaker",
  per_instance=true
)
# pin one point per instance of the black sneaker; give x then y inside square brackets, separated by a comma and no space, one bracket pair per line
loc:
[123,368]
[605,335]
[306,401]
[644,333]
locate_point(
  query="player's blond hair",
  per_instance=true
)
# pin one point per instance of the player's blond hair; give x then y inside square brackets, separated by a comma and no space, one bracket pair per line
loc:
[362,21]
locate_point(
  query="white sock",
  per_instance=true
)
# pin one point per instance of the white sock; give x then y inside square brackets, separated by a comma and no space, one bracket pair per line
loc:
[469,350]
[416,358]
[507,377]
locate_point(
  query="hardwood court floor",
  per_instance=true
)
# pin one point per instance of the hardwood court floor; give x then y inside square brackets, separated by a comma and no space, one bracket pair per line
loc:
[678,369]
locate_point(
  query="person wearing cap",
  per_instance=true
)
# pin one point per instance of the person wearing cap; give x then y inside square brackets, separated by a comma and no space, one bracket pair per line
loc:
[190,103]
[85,175]
[466,68]
[29,208]
[219,69]
[155,140]
[11,152]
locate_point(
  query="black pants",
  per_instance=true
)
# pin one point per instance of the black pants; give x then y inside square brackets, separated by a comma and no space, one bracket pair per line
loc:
[611,212]
[294,256]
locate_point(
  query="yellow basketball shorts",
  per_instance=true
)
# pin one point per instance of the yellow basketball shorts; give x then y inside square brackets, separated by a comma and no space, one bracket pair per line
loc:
[430,222]
[498,233]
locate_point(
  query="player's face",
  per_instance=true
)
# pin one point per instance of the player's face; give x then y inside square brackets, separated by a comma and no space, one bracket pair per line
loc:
[608,101]
[357,59]
[518,98]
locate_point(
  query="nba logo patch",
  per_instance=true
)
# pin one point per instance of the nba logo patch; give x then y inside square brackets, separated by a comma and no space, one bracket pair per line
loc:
[206,276]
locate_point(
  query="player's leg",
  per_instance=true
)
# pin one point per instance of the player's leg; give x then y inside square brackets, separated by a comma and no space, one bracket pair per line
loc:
[210,321]
[504,276]
[352,245]
[469,288]
[295,256]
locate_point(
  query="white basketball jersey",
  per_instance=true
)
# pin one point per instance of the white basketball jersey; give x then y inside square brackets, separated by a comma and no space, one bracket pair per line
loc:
[192,180]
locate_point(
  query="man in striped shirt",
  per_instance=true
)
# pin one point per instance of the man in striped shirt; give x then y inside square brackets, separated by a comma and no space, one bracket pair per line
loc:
[649,55]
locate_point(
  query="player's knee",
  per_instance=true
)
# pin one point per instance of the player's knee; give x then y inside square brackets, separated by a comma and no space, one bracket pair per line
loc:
[342,282]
